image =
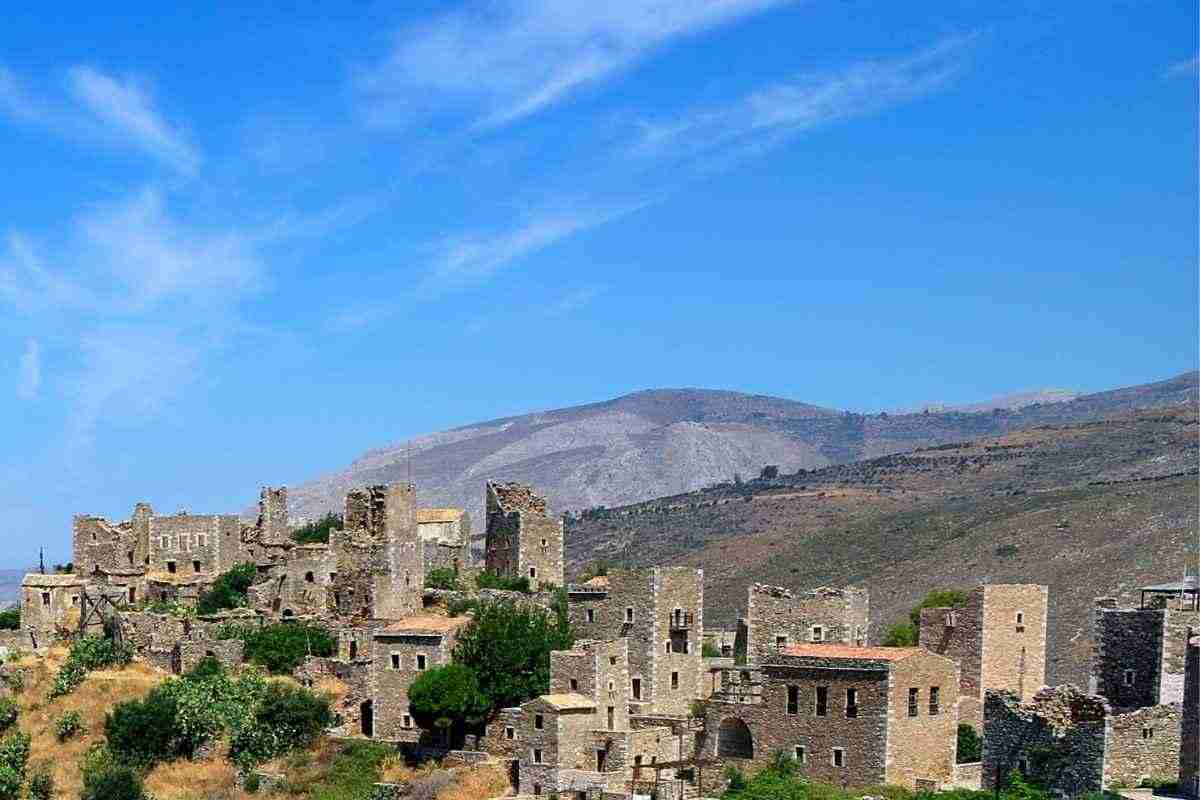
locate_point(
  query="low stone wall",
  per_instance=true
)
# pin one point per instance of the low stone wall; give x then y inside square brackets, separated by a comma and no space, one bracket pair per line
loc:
[968,776]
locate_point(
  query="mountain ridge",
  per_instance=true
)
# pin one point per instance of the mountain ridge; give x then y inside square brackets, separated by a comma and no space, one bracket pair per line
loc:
[657,441]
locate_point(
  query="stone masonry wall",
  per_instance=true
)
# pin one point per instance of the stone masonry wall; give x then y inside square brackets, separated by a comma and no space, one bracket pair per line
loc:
[394,666]
[1058,738]
[957,633]
[774,612]
[1142,744]
[1128,655]
[521,538]
[922,747]
[1014,638]
[678,625]
[1189,749]
[1176,626]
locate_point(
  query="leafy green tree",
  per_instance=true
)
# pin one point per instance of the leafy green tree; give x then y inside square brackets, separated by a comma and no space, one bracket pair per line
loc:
[486,580]
[441,578]
[281,647]
[902,634]
[906,634]
[285,718]
[709,650]
[970,746]
[317,532]
[448,699]
[143,732]
[10,619]
[228,590]
[508,646]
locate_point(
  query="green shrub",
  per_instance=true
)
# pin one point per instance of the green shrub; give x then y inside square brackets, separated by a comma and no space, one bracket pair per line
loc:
[508,646]
[448,698]
[281,647]
[486,580]
[252,783]
[709,650]
[41,785]
[10,619]
[8,713]
[68,725]
[228,590]
[10,783]
[970,746]
[285,718]
[318,532]
[143,732]
[113,782]
[441,578]
[460,606]
[87,654]
[902,634]
[352,772]
[1006,550]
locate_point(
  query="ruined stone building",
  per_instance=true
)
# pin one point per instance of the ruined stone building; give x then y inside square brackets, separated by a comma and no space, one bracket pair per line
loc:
[1189,736]
[445,537]
[50,605]
[998,640]
[777,617]
[400,652]
[853,716]
[522,539]
[660,610]
[1073,743]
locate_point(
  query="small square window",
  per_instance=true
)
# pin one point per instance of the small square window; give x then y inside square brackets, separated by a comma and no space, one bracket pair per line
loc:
[406,721]
[45,598]
[171,567]
[839,757]
[799,754]
[1147,733]
[780,642]
[510,733]
[817,633]
[544,543]
[538,721]
[533,572]
[195,566]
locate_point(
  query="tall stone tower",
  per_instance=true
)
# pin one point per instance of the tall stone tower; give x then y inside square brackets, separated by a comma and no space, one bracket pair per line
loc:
[380,569]
[273,513]
[522,539]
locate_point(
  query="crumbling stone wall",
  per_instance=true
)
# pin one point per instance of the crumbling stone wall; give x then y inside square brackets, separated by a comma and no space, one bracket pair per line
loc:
[50,608]
[190,652]
[445,555]
[521,538]
[1058,739]
[353,682]
[1189,748]
[1142,744]
[501,734]
[777,617]
[380,571]
[97,544]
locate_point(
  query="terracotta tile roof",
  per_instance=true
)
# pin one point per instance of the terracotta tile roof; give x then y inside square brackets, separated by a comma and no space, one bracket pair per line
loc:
[569,701]
[849,652]
[426,623]
[439,514]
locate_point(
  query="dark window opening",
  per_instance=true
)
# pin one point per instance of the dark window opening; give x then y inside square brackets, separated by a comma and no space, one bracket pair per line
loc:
[935,706]
[914,697]
[793,699]
[822,701]
[851,703]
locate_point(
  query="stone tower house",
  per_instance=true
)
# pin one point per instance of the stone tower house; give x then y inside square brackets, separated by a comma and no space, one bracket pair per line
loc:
[522,539]
[998,639]
[380,571]
[777,617]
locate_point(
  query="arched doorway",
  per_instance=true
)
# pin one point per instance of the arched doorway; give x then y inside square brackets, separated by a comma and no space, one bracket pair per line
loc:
[734,739]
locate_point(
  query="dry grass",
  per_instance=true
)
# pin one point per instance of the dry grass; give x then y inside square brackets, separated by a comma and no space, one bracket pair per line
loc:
[477,783]
[92,699]
[194,780]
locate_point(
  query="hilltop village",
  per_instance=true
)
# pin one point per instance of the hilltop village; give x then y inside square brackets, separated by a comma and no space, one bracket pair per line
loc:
[647,701]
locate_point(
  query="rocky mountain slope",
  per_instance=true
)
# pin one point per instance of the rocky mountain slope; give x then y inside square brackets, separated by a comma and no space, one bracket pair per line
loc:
[1092,508]
[660,442]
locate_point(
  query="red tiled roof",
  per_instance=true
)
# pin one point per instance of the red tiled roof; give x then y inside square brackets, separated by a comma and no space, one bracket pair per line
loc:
[849,652]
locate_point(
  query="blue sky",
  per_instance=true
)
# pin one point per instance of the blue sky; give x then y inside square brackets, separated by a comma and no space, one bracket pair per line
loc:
[242,247]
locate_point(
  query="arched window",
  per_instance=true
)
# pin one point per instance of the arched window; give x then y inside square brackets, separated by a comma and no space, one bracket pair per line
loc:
[734,739]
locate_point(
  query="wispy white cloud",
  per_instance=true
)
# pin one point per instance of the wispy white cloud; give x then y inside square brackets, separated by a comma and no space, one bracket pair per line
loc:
[1185,68]
[130,110]
[502,61]
[775,113]
[94,107]
[29,371]
[137,300]
[575,300]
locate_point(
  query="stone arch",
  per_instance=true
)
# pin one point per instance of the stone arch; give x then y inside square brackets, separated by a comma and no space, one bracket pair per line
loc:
[734,739]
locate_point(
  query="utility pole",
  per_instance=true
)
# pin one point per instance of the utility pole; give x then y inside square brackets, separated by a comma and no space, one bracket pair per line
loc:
[42,560]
